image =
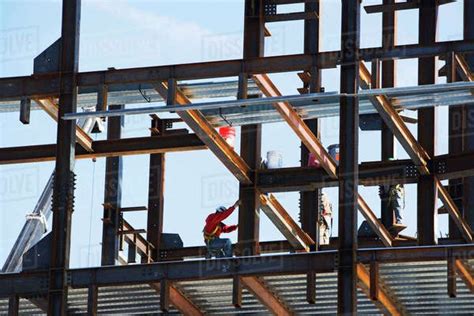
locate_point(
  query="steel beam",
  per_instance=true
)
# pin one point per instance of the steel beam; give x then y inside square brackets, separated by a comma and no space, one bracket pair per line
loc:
[156,182]
[265,296]
[315,146]
[13,305]
[454,211]
[393,120]
[112,195]
[209,136]
[278,264]
[285,224]
[451,276]
[105,148]
[348,165]
[297,124]
[426,194]
[389,38]
[179,300]
[384,301]
[64,179]
[309,200]
[456,123]
[466,274]
[47,85]
[92,300]
[391,7]
[468,138]
[429,182]
[251,135]
[50,107]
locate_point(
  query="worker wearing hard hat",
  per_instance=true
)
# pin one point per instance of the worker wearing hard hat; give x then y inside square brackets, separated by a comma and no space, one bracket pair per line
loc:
[216,246]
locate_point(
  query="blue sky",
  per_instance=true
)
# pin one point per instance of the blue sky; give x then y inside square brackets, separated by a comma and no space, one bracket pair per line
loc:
[124,34]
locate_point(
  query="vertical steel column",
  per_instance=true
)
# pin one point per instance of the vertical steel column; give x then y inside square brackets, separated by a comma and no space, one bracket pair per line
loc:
[309,200]
[13,305]
[427,193]
[468,183]
[112,194]
[156,183]
[250,145]
[64,180]
[92,300]
[456,123]
[348,165]
[389,25]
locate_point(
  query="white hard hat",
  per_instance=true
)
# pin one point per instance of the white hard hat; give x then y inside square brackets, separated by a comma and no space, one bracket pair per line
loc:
[221,209]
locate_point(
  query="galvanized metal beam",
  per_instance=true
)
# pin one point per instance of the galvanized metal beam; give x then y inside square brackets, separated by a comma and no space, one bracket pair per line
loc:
[285,224]
[50,107]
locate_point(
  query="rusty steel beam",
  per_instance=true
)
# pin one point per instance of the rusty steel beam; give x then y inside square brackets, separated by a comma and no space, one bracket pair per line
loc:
[393,120]
[209,136]
[179,300]
[465,273]
[285,224]
[384,300]
[297,124]
[50,107]
[374,223]
[415,151]
[453,211]
[316,147]
[269,299]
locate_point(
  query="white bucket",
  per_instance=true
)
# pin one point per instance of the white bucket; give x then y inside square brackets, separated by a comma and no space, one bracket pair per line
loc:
[274,159]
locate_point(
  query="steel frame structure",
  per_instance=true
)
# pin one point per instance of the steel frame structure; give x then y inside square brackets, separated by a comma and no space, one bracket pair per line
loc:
[356,260]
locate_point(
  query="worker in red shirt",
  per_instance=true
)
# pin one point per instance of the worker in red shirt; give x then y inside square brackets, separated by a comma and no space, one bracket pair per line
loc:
[216,246]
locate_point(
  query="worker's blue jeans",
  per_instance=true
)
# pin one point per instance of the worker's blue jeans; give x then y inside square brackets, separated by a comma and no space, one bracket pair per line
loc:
[220,247]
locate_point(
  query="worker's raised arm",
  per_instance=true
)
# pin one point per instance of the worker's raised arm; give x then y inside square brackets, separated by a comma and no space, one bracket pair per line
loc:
[223,215]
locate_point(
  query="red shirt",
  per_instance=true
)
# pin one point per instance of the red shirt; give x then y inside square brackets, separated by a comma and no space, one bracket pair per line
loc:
[215,220]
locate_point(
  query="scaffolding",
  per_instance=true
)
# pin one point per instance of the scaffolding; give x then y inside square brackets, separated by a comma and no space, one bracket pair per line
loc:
[385,274]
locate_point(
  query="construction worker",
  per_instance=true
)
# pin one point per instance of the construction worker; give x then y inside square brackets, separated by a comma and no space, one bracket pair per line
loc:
[395,196]
[216,246]
[325,219]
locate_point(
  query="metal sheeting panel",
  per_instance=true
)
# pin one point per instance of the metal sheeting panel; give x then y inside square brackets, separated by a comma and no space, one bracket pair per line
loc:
[215,298]
[422,288]
[134,94]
